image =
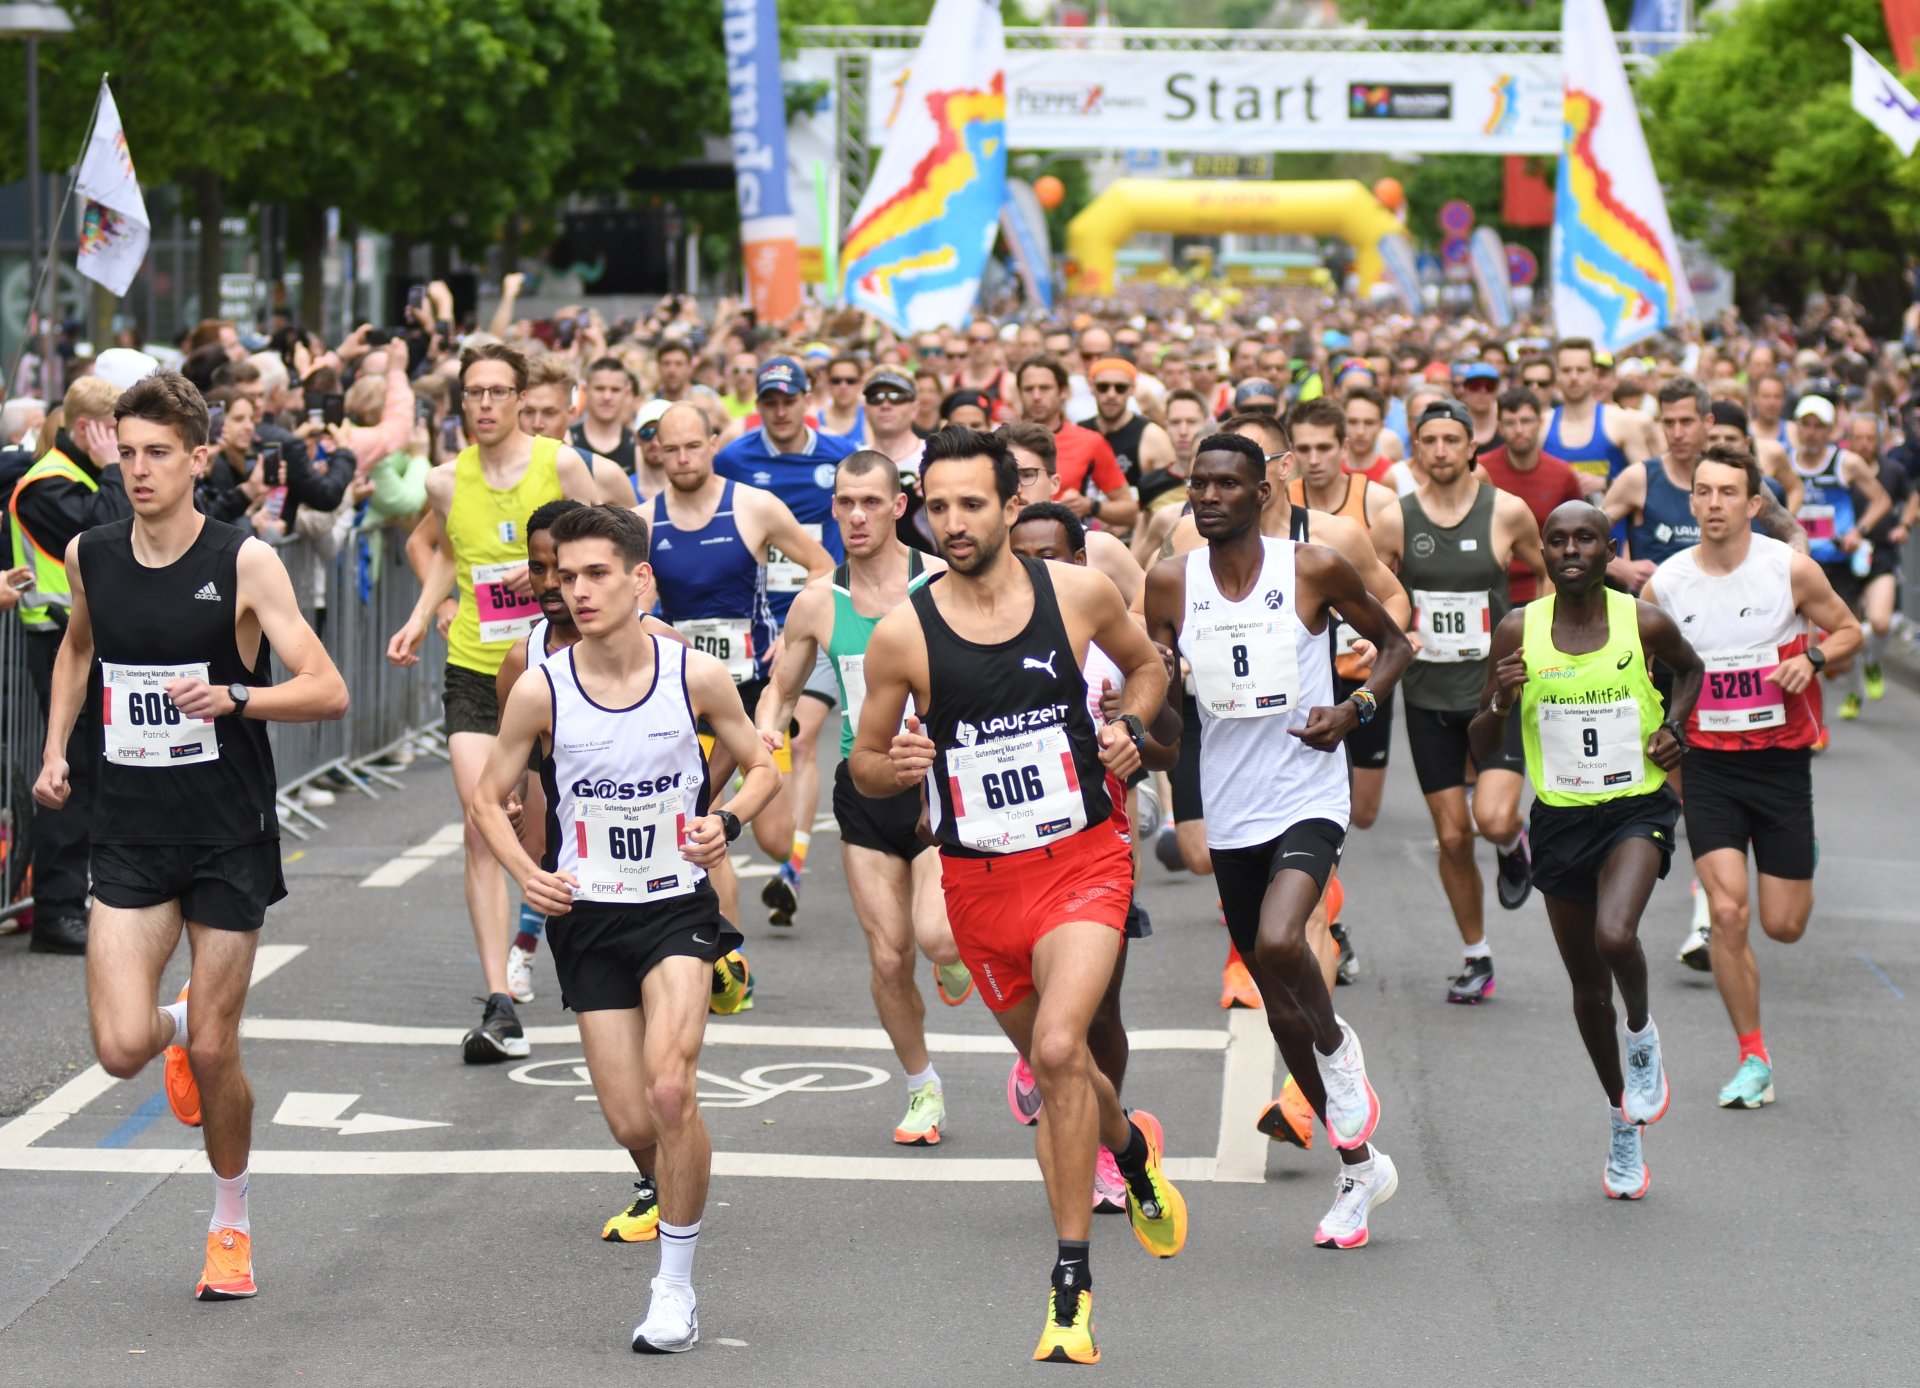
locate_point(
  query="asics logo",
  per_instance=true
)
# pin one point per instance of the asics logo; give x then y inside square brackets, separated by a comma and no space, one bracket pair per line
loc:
[1626,659]
[1029,663]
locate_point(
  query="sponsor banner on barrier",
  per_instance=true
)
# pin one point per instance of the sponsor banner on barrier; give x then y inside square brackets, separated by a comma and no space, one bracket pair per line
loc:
[1261,102]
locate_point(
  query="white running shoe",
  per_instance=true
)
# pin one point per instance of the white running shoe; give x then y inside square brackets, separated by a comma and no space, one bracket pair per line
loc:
[313,797]
[1357,1190]
[1352,1107]
[519,974]
[1626,1176]
[1645,1098]
[672,1325]
[1694,952]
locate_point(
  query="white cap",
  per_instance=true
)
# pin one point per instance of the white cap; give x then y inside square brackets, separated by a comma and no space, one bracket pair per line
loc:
[122,366]
[1818,406]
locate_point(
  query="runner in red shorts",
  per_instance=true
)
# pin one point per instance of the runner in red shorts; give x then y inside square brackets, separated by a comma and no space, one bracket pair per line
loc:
[1037,878]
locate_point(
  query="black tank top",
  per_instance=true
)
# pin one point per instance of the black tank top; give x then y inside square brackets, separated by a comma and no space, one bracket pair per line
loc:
[1028,694]
[160,778]
[1125,442]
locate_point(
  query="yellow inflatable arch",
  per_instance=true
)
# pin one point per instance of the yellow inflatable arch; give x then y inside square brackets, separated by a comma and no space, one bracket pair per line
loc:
[1334,207]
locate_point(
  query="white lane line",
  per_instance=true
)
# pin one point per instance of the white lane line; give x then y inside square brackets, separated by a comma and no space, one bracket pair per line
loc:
[411,862]
[270,959]
[1251,1056]
[552,1161]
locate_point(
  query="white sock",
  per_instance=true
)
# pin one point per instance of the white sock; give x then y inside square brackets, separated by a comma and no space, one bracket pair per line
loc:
[1702,911]
[677,1243]
[229,1203]
[926,1076]
[1483,950]
[1875,644]
[1644,1032]
[1512,843]
[177,1011]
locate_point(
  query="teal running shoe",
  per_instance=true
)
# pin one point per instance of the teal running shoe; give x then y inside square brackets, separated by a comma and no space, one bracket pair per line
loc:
[1751,1085]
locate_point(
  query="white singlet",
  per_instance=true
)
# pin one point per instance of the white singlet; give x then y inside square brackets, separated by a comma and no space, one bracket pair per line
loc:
[623,783]
[537,644]
[1257,672]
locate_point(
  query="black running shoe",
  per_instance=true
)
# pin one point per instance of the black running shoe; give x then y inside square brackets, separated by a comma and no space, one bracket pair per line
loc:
[1475,983]
[498,1037]
[1166,848]
[1515,882]
[1349,967]
[781,895]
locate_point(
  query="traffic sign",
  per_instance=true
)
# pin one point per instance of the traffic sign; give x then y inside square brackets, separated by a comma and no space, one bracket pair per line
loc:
[1456,218]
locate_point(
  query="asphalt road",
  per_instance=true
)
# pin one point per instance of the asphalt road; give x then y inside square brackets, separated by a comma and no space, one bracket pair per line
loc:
[457,1241]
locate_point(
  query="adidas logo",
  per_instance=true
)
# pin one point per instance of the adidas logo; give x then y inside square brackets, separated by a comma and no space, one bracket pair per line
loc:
[208,593]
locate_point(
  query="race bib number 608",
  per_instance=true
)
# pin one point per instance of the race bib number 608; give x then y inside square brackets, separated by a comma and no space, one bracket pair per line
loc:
[141,726]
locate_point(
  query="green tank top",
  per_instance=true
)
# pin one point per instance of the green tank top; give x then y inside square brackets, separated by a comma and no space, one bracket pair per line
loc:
[1458,588]
[847,647]
[1586,719]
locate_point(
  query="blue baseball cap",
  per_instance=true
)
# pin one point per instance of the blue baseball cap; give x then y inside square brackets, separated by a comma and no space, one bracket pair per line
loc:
[781,376]
[1479,371]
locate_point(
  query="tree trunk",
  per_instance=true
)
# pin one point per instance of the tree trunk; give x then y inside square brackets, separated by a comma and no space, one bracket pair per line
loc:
[307,227]
[393,298]
[209,205]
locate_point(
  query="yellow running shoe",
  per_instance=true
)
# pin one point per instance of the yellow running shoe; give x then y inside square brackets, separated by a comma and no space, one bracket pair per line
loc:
[954,982]
[732,985]
[1160,1222]
[228,1275]
[1069,1344]
[639,1222]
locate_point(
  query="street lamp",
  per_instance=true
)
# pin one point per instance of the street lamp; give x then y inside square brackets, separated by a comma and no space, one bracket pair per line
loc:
[33,23]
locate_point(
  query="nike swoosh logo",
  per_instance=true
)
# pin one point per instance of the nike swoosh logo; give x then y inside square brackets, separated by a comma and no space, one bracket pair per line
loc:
[698,941]
[1285,856]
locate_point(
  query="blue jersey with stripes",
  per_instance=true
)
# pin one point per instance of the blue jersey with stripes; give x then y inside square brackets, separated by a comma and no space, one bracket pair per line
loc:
[1826,508]
[709,576]
[804,480]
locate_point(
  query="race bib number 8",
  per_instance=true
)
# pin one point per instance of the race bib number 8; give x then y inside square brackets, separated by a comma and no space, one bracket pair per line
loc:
[140,723]
[1244,667]
[504,614]
[1016,793]
[783,575]
[728,640]
[1737,696]
[629,851]
[1591,749]
[1453,627]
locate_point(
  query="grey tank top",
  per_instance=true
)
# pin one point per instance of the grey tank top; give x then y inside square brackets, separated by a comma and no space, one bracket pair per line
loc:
[1458,587]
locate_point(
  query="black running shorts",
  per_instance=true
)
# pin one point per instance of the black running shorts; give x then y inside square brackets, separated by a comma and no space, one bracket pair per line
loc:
[1367,745]
[1185,776]
[226,887]
[1571,843]
[1437,738]
[470,702]
[602,952]
[886,826]
[1763,797]
[1241,875]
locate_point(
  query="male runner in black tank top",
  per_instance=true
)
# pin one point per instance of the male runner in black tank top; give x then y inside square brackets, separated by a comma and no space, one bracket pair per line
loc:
[1036,878]
[173,615]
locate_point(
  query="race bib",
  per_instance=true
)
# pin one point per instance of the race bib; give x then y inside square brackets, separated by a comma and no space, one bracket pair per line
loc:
[853,683]
[629,850]
[1016,793]
[1737,696]
[1817,521]
[1453,627]
[1591,749]
[1244,666]
[783,575]
[728,640]
[504,614]
[140,723]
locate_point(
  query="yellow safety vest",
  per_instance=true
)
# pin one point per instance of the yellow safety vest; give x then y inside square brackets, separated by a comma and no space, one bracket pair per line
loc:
[49,570]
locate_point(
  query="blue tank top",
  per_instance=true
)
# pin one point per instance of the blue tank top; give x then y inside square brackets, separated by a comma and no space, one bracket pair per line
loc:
[1596,450]
[1666,525]
[1826,508]
[804,481]
[709,574]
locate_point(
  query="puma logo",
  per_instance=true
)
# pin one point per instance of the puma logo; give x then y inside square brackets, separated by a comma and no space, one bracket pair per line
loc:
[1029,663]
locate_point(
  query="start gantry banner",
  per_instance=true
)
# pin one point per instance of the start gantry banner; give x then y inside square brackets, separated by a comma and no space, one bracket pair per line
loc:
[1103,98]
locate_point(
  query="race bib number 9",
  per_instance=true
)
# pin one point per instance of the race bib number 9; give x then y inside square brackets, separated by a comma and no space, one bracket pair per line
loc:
[504,614]
[1591,749]
[728,640]
[783,575]
[1016,793]
[140,723]
[1736,695]
[1244,666]
[629,851]
[1453,627]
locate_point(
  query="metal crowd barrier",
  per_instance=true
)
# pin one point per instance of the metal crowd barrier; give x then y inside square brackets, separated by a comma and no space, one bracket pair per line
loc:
[367,591]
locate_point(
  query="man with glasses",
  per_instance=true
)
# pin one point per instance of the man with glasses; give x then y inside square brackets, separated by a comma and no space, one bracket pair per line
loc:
[1536,374]
[1096,344]
[1139,445]
[982,371]
[651,476]
[743,371]
[844,413]
[1084,457]
[606,428]
[1480,392]
[930,349]
[889,399]
[481,501]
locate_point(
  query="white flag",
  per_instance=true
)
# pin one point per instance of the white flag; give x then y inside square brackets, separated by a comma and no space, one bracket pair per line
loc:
[115,230]
[1883,99]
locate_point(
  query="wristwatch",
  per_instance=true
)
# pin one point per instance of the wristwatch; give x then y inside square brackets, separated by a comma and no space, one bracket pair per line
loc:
[1817,658]
[1135,729]
[239,693]
[729,824]
[1364,704]
[1678,730]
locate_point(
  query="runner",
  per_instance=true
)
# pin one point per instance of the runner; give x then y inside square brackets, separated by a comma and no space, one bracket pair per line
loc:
[478,504]
[1139,445]
[1365,411]
[1880,593]
[1575,662]
[981,372]
[1163,490]
[1036,879]
[1277,800]
[1728,426]
[1842,499]
[1036,465]
[1744,601]
[172,618]
[1090,481]
[796,464]
[1537,478]
[845,413]
[1767,402]
[1453,541]
[1593,440]
[606,428]
[1479,386]
[894,884]
[635,926]
[545,407]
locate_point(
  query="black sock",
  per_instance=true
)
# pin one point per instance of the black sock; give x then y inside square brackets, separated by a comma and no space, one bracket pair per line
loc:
[1133,1161]
[1072,1275]
[645,1190]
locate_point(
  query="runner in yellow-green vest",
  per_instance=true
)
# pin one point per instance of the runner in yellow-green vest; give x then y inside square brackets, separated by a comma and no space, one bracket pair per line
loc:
[482,500]
[1574,663]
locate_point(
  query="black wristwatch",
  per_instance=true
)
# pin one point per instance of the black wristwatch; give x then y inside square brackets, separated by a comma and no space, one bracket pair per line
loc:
[1678,730]
[729,824]
[1135,729]
[1817,658]
[239,693]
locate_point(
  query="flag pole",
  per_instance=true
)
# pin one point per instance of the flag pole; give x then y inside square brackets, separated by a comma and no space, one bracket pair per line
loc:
[53,249]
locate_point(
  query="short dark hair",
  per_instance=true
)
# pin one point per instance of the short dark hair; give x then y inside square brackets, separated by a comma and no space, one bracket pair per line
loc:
[844,360]
[497,351]
[1054,511]
[865,460]
[1239,444]
[615,364]
[674,346]
[545,515]
[1726,412]
[1373,395]
[1686,388]
[1518,398]
[956,443]
[617,525]
[1322,412]
[1574,344]
[1267,424]
[1041,361]
[1733,456]
[170,399]
[1037,439]
[236,373]
[1192,396]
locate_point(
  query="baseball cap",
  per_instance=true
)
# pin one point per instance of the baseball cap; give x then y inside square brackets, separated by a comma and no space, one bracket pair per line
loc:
[888,379]
[781,376]
[647,423]
[1727,413]
[1818,406]
[1479,371]
[1255,394]
[1446,409]
[122,366]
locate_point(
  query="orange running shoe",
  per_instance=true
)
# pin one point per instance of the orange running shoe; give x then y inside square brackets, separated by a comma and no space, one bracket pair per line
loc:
[1237,988]
[1336,897]
[183,1095]
[228,1275]
[1289,1118]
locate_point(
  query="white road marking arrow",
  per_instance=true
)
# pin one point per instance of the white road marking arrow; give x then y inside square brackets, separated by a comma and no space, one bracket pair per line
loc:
[301,1110]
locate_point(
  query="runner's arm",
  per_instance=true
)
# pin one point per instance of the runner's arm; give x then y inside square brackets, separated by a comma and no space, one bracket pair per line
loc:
[1627,496]
[1163,600]
[612,486]
[891,659]
[1346,594]
[1865,480]
[68,688]
[1813,597]
[431,556]
[1775,463]
[1355,545]
[511,669]
[1108,554]
[1661,639]
[576,477]
[526,714]
[1526,535]
[314,691]
[781,530]
[1144,695]
[1156,447]
[1506,673]
[799,648]
[712,693]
